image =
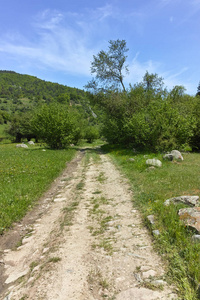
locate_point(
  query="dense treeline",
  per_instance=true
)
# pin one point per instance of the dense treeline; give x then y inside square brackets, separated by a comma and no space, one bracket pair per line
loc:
[148,116]
[20,93]
[50,112]
[14,85]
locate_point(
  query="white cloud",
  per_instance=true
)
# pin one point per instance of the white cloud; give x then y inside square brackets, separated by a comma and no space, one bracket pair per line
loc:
[104,12]
[66,42]
[48,19]
[58,47]
[62,41]
[138,69]
[171,78]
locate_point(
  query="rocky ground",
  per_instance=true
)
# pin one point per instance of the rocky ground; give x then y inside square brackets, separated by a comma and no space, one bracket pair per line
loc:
[83,241]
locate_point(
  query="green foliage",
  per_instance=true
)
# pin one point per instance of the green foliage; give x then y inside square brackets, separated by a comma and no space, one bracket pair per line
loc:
[21,127]
[91,134]
[160,127]
[63,99]
[51,112]
[147,116]
[195,142]
[56,125]
[21,93]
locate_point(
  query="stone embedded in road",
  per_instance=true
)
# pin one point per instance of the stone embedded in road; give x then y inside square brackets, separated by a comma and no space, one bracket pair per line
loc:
[147,274]
[138,294]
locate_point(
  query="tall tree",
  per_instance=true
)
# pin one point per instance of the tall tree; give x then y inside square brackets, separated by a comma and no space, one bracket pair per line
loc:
[152,82]
[109,67]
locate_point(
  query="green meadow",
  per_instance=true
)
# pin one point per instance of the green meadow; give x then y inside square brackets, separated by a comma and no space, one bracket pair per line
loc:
[24,175]
[151,188]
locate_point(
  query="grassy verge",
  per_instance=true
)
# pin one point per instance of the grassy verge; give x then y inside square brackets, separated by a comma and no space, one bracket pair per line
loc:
[151,188]
[24,175]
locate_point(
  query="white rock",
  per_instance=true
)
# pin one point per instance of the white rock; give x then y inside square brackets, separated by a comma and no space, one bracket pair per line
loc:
[59,199]
[21,146]
[158,282]
[189,200]
[138,294]
[151,219]
[147,274]
[156,232]
[196,238]
[15,275]
[154,162]
[177,154]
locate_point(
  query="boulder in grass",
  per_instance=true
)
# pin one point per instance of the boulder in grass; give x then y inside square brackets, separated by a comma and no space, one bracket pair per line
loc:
[151,219]
[191,217]
[31,143]
[188,200]
[196,238]
[176,154]
[156,232]
[131,159]
[21,146]
[154,162]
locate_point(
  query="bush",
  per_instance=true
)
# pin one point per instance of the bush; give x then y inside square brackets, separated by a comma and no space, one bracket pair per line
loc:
[56,125]
[91,134]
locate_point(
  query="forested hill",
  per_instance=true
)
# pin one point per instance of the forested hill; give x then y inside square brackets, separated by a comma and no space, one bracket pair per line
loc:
[20,92]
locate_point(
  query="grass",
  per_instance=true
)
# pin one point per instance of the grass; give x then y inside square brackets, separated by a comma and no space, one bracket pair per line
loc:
[24,175]
[54,259]
[101,177]
[96,279]
[33,265]
[151,188]
[105,243]
[95,143]
[93,155]
[4,137]
[80,185]
[69,214]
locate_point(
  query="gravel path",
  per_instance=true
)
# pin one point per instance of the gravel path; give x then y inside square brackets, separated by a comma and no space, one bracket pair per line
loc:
[87,241]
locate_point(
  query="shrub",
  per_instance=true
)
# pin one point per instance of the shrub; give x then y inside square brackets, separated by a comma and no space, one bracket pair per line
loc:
[56,125]
[91,134]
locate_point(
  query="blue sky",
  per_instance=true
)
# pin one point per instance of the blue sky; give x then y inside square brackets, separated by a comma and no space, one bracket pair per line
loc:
[55,40]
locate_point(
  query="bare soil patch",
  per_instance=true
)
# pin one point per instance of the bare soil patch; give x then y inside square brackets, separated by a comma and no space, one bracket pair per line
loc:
[84,240]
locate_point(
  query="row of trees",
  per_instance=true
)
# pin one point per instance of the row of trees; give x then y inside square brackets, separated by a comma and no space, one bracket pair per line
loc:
[149,119]
[49,112]
[146,115]
[58,125]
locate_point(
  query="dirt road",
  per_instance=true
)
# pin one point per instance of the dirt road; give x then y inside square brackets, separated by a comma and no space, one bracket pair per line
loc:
[83,241]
